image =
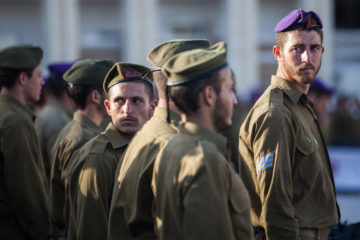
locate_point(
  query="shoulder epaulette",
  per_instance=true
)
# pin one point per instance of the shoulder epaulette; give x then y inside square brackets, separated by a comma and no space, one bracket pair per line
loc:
[276,99]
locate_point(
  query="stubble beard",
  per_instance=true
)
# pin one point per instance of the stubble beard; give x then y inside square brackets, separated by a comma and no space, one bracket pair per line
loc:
[219,116]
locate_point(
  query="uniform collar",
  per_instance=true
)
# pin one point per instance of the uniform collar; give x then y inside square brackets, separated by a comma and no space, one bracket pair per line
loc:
[161,113]
[116,139]
[84,120]
[289,89]
[17,105]
[196,130]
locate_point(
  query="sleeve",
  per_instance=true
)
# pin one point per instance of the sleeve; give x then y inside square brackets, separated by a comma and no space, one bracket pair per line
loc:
[206,213]
[25,179]
[240,207]
[274,149]
[57,187]
[93,198]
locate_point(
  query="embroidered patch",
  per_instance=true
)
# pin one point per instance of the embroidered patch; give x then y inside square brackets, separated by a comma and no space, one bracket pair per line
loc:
[265,162]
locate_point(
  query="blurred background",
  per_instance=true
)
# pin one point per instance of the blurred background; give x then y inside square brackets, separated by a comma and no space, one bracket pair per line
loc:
[125,30]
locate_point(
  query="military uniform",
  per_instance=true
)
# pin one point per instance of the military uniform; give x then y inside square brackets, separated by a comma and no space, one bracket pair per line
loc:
[73,136]
[24,202]
[91,184]
[285,164]
[131,206]
[48,125]
[198,195]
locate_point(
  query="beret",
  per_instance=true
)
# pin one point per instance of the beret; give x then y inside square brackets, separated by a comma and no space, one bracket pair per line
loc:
[164,51]
[88,72]
[194,64]
[299,19]
[58,69]
[127,72]
[20,56]
[319,86]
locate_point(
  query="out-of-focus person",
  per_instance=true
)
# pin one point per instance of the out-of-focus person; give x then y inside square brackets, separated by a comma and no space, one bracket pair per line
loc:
[56,113]
[24,200]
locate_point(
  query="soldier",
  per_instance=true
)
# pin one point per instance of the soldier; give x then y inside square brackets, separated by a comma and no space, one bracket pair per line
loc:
[130,104]
[85,80]
[284,160]
[56,114]
[197,193]
[24,202]
[131,206]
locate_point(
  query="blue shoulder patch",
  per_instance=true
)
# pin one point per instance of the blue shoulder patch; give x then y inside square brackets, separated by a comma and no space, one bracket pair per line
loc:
[264,162]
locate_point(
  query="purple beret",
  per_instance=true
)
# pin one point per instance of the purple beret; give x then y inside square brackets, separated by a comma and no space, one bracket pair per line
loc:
[320,87]
[58,69]
[299,19]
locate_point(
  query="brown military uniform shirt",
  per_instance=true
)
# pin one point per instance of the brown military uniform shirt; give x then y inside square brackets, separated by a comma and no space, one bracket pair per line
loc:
[131,206]
[91,184]
[73,136]
[48,125]
[285,164]
[197,193]
[24,201]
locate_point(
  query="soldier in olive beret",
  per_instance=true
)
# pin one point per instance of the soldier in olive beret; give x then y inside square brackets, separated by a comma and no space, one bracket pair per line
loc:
[131,204]
[24,201]
[284,159]
[130,104]
[197,193]
[85,80]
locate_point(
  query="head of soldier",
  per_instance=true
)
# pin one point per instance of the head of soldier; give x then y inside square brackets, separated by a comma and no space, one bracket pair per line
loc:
[298,47]
[20,72]
[160,54]
[84,80]
[201,85]
[130,97]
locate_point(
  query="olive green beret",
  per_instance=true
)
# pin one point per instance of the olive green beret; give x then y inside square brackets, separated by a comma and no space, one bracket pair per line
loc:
[88,72]
[126,72]
[20,56]
[194,64]
[163,52]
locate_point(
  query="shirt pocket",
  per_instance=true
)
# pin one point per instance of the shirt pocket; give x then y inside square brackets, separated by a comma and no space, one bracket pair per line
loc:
[307,143]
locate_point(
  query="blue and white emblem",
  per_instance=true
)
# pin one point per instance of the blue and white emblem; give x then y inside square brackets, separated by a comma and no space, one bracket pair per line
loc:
[265,162]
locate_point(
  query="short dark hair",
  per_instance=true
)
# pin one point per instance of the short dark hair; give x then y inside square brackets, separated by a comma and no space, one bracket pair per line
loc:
[56,85]
[8,76]
[281,37]
[79,94]
[186,96]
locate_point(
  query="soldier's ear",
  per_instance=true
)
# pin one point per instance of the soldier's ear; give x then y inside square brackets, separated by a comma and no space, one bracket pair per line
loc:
[277,53]
[22,78]
[107,106]
[209,95]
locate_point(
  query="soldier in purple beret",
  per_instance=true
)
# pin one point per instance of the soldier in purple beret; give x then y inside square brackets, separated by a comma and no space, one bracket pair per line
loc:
[284,160]
[56,113]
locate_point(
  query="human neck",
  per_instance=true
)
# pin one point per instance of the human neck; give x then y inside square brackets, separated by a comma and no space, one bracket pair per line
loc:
[92,113]
[172,106]
[15,93]
[301,87]
[200,119]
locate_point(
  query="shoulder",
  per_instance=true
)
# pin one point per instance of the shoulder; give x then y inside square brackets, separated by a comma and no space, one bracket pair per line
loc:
[268,111]
[156,128]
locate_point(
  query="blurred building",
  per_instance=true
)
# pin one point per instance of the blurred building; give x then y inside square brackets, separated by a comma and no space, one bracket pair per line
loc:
[125,30]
